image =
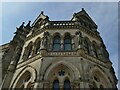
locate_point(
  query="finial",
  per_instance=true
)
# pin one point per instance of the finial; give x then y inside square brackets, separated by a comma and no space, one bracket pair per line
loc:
[82,9]
[23,23]
[22,26]
[28,25]
[42,12]
[29,21]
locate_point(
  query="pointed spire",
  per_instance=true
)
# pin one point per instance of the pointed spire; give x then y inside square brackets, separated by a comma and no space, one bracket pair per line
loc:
[42,12]
[22,26]
[83,9]
[28,25]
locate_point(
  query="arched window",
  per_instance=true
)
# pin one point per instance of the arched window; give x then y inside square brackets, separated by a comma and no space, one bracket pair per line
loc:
[67,43]
[67,85]
[37,50]
[86,45]
[29,51]
[56,85]
[24,79]
[56,43]
[94,50]
[101,86]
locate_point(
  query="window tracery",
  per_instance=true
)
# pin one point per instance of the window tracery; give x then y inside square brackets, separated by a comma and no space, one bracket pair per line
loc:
[24,81]
[37,47]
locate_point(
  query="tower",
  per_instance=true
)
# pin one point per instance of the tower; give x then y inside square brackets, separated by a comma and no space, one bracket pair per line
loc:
[62,54]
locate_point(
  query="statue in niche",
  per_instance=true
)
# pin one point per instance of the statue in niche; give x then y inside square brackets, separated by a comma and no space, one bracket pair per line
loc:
[45,39]
[79,37]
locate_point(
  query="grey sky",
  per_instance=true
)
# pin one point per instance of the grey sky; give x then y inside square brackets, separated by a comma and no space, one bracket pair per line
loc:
[104,14]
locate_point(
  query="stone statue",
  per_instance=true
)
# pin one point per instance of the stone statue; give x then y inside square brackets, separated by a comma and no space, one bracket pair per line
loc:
[79,37]
[45,39]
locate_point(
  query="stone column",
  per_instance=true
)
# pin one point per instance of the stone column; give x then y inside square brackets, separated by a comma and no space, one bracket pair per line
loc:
[92,51]
[73,43]
[62,43]
[46,85]
[61,86]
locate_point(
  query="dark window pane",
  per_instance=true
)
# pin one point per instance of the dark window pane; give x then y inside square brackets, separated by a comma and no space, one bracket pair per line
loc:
[56,43]
[67,40]
[29,52]
[56,47]
[86,46]
[56,85]
[67,43]
[67,47]
[37,48]
[94,50]
[56,40]
[67,85]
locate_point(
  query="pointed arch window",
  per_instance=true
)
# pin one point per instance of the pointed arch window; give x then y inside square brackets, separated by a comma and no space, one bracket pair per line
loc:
[56,43]
[67,85]
[86,45]
[56,85]
[23,80]
[29,51]
[95,51]
[37,48]
[67,43]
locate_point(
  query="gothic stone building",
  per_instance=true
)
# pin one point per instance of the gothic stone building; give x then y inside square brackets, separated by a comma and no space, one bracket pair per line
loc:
[57,54]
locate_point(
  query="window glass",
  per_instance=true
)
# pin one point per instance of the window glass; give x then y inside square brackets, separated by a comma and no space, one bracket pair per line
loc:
[37,48]
[67,43]
[56,85]
[94,50]
[56,43]
[30,52]
[86,46]
[67,85]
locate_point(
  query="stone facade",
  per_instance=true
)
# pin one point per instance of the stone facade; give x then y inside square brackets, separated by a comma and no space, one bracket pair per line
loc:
[65,54]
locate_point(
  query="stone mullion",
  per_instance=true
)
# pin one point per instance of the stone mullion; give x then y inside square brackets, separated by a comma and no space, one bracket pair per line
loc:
[99,54]
[80,45]
[92,50]
[25,55]
[61,86]
[33,50]
[73,43]
[51,43]
[62,43]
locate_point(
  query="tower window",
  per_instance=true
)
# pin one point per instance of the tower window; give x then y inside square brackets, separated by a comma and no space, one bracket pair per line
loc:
[67,43]
[56,85]
[37,48]
[94,50]
[86,46]
[56,43]
[67,85]
[30,52]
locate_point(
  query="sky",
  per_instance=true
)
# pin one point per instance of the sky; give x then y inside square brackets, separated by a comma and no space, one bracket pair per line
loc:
[105,15]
